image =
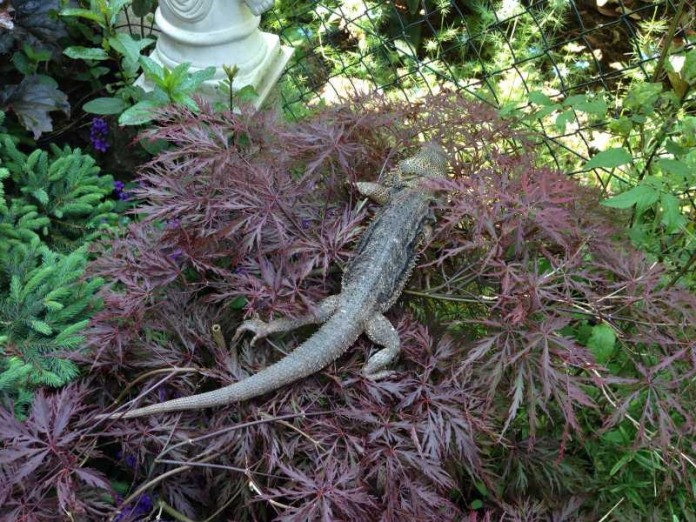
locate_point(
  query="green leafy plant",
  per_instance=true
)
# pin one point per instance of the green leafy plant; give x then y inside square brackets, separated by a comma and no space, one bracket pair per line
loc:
[656,160]
[111,47]
[170,86]
[647,165]
[409,45]
[51,205]
[643,157]
[130,102]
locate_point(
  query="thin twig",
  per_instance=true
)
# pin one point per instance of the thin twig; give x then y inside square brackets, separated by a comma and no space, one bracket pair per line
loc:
[169,510]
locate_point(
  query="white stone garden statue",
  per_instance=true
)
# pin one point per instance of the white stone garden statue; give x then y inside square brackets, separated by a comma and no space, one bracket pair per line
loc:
[217,33]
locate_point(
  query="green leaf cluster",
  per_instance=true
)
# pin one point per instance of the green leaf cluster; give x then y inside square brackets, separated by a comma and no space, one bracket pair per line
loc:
[52,204]
[656,154]
[647,164]
[642,152]
[623,471]
[131,103]
[170,86]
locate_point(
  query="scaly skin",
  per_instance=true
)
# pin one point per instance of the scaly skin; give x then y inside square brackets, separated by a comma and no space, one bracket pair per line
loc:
[373,281]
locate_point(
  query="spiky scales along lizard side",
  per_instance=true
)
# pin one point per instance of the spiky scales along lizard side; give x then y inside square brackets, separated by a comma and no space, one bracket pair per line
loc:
[372,282]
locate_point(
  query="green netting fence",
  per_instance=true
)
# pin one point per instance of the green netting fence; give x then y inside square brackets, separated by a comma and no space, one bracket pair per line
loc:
[502,52]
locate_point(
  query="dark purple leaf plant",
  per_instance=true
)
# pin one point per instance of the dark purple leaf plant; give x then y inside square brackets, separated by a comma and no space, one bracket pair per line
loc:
[547,368]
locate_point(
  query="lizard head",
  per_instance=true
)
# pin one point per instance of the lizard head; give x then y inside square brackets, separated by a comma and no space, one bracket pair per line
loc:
[430,161]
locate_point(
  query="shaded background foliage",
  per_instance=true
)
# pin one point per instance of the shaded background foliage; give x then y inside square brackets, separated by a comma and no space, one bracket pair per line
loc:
[498,52]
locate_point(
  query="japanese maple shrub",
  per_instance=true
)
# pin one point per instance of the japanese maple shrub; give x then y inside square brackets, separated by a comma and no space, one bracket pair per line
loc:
[535,333]
[544,361]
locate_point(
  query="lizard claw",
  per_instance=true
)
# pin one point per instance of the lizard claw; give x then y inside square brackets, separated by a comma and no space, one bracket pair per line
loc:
[258,327]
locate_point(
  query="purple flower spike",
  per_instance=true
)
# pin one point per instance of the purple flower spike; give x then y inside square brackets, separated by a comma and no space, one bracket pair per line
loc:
[98,133]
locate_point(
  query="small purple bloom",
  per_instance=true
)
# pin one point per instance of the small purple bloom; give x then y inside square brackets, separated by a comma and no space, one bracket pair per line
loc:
[119,189]
[173,223]
[142,507]
[305,223]
[98,134]
[131,461]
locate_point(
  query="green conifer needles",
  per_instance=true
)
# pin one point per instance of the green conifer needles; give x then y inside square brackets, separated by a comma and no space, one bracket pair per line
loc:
[52,204]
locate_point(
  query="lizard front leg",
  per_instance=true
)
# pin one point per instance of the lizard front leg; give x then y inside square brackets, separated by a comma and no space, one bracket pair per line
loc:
[261,329]
[375,191]
[381,332]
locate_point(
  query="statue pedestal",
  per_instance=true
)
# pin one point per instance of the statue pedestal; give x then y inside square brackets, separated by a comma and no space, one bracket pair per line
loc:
[217,33]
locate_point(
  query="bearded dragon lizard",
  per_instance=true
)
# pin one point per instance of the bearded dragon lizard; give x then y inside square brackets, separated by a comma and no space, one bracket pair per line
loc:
[372,282]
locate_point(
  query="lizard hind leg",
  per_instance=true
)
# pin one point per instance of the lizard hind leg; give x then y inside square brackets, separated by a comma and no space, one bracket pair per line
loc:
[261,329]
[381,332]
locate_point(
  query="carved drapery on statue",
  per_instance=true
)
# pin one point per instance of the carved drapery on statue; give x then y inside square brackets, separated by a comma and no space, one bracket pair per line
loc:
[193,10]
[189,10]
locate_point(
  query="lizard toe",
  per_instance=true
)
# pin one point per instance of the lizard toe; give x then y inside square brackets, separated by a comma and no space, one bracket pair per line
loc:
[256,326]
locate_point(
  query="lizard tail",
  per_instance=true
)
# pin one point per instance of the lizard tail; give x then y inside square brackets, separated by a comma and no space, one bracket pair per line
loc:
[327,344]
